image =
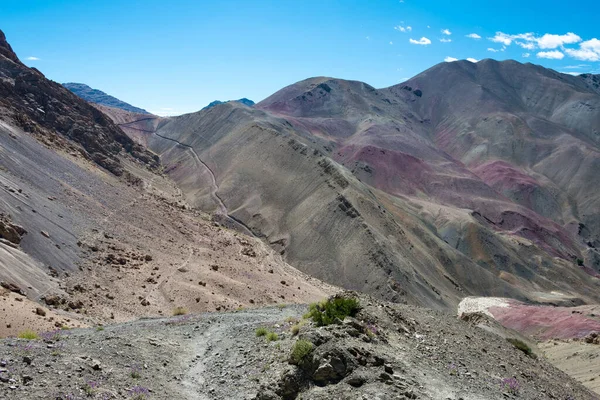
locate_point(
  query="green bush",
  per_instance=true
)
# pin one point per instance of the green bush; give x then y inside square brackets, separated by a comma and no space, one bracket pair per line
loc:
[29,335]
[295,329]
[327,312]
[272,337]
[301,351]
[520,345]
[262,331]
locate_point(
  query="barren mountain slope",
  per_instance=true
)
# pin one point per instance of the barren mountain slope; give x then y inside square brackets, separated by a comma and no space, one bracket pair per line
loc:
[137,126]
[123,250]
[338,165]
[322,218]
[530,133]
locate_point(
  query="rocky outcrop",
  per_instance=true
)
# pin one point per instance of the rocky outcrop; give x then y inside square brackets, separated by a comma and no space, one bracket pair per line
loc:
[391,351]
[9,231]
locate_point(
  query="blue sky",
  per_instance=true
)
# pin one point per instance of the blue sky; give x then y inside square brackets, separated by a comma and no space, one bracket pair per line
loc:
[177,56]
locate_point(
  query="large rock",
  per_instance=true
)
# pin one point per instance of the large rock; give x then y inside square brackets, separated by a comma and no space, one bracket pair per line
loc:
[10,231]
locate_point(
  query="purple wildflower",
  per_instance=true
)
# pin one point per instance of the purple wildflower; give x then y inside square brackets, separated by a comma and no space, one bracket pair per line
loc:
[511,384]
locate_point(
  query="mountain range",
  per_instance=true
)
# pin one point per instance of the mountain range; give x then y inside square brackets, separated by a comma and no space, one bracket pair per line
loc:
[468,179]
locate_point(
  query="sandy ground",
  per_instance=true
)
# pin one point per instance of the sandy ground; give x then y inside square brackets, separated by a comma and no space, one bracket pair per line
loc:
[578,359]
[20,314]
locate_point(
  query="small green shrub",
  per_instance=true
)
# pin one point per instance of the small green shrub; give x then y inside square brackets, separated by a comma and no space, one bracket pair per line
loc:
[272,337]
[327,312]
[301,351]
[580,262]
[295,329]
[135,373]
[90,388]
[180,311]
[262,331]
[520,345]
[100,328]
[29,335]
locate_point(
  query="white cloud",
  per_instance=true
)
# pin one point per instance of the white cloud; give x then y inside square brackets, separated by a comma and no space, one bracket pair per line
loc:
[473,60]
[446,32]
[32,58]
[527,46]
[588,51]
[502,38]
[423,41]
[549,41]
[507,39]
[401,28]
[526,55]
[444,40]
[474,36]
[551,55]
[571,73]
[592,44]
[577,66]
[493,50]
[583,54]
[391,42]
[450,59]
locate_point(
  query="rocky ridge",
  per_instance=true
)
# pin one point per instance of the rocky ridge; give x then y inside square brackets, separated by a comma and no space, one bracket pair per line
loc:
[99,97]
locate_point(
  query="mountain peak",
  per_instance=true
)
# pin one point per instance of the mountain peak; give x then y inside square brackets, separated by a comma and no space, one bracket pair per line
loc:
[244,101]
[99,97]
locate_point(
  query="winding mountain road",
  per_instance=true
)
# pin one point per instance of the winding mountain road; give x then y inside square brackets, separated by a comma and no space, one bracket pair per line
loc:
[222,212]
